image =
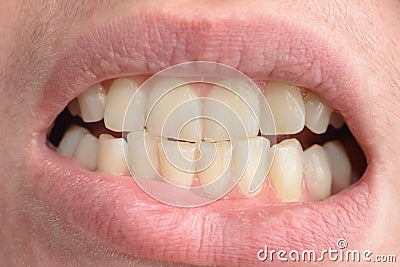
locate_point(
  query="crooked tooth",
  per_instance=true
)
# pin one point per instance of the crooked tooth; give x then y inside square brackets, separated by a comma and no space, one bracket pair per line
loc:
[70,140]
[317,171]
[143,159]
[177,162]
[215,176]
[287,170]
[317,114]
[86,152]
[287,108]
[172,125]
[247,110]
[336,120]
[111,155]
[257,163]
[340,165]
[73,107]
[121,103]
[92,103]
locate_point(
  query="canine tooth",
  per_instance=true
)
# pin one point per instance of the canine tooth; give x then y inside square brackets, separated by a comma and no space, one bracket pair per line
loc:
[238,113]
[215,178]
[143,159]
[162,122]
[317,171]
[256,160]
[287,108]
[340,165]
[86,152]
[317,114]
[336,120]
[70,140]
[92,103]
[287,170]
[177,162]
[111,155]
[73,107]
[125,107]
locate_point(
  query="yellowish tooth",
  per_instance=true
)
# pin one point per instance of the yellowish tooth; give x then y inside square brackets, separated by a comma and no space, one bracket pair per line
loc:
[172,110]
[73,107]
[177,162]
[286,174]
[317,171]
[287,107]
[92,103]
[241,112]
[336,120]
[125,107]
[215,176]
[143,155]
[70,140]
[111,155]
[340,165]
[86,152]
[317,114]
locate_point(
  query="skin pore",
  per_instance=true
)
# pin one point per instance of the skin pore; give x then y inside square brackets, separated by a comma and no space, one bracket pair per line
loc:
[36,36]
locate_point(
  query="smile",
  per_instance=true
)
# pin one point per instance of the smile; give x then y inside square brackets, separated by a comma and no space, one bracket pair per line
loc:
[315,188]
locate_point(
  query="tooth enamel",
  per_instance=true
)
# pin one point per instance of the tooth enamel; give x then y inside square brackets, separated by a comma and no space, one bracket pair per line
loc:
[287,170]
[162,121]
[317,171]
[143,159]
[86,152]
[340,165]
[243,119]
[121,101]
[287,107]
[215,178]
[73,107]
[92,103]
[256,160]
[336,120]
[317,114]
[70,140]
[111,155]
[177,162]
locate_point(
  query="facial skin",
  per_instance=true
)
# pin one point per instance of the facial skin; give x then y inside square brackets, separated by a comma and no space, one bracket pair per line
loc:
[35,36]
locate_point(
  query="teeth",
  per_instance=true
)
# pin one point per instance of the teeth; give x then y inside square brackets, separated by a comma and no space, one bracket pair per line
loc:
[73,107]
[111,157]
[317,171]
[92,103]
[340,165]
[215,170]
[317,114]
[162,122]
[177,162]
[257,167]
[143,155]
[336,120]
[86,152]
[70,140]
[287,170]
[287,108]
[245,118]
[119,104]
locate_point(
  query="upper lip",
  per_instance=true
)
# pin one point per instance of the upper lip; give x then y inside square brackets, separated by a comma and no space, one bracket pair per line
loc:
[117,212]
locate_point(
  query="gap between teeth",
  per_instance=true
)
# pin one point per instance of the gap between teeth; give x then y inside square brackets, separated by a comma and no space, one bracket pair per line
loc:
[285,166]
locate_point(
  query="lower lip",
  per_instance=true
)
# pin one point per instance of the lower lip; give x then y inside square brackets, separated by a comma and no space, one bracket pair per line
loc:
[116,211]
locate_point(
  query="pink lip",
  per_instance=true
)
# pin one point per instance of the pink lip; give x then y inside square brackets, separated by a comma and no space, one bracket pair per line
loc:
[228,232]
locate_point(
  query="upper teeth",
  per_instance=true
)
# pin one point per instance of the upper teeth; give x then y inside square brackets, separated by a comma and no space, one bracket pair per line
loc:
[150,150]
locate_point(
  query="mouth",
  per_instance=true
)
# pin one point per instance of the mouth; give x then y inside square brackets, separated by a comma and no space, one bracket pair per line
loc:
[314,190]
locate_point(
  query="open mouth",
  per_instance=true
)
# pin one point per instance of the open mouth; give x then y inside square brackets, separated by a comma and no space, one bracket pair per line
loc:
[311,192]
